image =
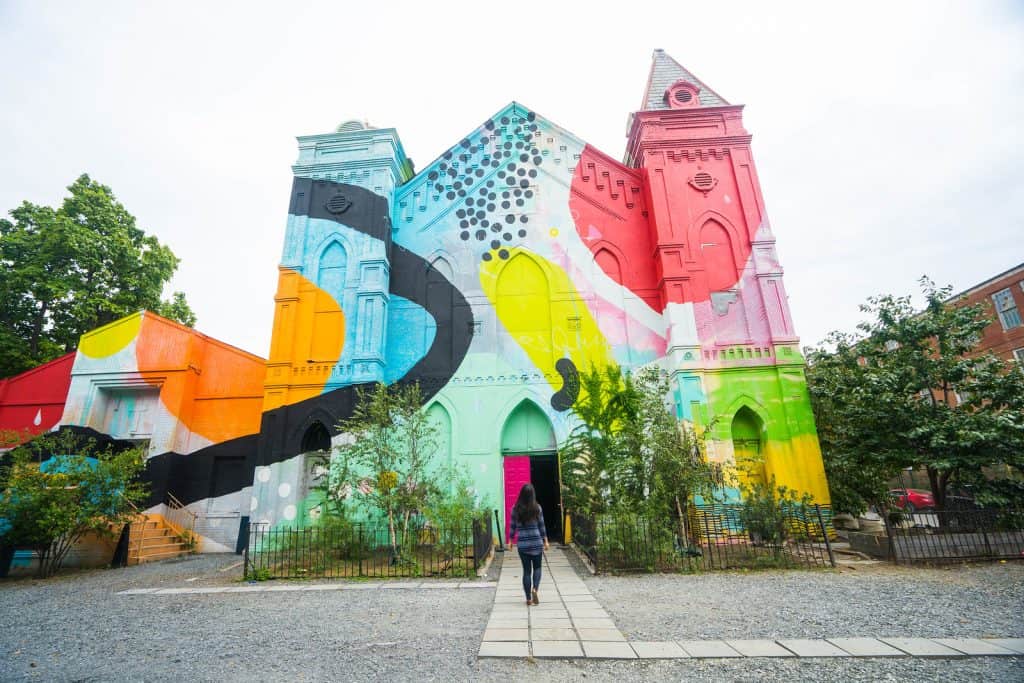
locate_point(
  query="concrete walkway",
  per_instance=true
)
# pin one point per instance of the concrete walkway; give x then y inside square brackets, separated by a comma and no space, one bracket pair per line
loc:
[569,622]
[275,587]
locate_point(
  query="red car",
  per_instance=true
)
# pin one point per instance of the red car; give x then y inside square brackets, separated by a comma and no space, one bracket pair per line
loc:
[912,500]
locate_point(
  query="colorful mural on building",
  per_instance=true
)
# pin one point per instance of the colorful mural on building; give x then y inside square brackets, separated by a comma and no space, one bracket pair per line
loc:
[520,257]
[193,401]
[492,277]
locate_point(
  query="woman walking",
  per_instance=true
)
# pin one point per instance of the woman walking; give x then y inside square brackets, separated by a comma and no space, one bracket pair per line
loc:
[532,540]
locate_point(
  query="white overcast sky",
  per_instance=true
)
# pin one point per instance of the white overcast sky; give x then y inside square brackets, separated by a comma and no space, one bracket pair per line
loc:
[887,135]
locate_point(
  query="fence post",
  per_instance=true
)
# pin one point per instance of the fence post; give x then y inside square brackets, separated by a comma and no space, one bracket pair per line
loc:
[497,524]
[707,537]
[245,553]
[476,544]
[824,534]
[359,545]
[888,535]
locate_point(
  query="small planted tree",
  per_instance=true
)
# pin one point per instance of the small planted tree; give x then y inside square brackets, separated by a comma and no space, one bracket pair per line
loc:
[452,509]
[58,488]
[595,453]
[383,464]
[629,451]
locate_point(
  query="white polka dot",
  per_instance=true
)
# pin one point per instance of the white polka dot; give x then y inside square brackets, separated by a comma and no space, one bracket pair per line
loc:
[253,504]
[289,512]
[727,199]
[284,490]
[263,474]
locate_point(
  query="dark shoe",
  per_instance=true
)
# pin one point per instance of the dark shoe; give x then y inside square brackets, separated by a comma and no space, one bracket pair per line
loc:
[536,600]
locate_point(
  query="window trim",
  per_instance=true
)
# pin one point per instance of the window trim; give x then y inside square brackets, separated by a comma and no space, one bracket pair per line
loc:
[1010,308]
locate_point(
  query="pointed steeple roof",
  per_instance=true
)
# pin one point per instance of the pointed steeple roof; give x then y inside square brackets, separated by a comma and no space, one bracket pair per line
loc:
[664,72]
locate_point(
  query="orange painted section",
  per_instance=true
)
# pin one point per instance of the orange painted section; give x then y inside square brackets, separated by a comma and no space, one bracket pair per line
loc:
[309,325]
[214,389]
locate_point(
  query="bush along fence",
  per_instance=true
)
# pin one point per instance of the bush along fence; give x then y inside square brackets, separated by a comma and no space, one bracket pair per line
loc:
[951,536]
[364,550]
[718,536]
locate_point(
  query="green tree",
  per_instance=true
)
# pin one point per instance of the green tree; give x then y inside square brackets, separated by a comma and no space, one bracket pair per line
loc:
[81,490]
[910,390]
[628,450]
[68,270]
[384,461]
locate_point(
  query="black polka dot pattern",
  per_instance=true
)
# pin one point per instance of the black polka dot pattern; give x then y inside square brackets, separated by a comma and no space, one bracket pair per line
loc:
[506,149]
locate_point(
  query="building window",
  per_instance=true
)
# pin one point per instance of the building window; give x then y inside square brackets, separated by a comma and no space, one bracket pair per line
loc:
[1018,354]
[1006,308]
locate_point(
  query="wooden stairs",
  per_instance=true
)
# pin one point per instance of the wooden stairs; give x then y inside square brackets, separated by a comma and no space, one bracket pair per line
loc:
[152,538]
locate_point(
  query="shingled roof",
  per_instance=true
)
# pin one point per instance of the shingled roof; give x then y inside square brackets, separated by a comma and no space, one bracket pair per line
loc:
[664,72]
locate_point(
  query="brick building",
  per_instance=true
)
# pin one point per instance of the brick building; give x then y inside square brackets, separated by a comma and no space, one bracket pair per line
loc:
[1004,292]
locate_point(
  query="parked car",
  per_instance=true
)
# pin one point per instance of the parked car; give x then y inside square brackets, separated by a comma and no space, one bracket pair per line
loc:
[961,498]
[912,500]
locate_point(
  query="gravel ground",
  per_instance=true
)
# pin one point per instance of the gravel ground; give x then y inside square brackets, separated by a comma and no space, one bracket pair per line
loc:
[977,601]
[74,627]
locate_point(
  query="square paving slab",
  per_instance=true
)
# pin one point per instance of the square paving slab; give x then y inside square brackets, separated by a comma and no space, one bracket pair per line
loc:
[508,623]
[866,647]
[552,634]
[601,634]
[504,649]
[583,622]
[759,648]
[1015,644]
[805,647]
[544,622]
[496,634]
[659,650]
[587,613]
[922,647]
[604,650]
[976,647]
[706,649]
[557,648]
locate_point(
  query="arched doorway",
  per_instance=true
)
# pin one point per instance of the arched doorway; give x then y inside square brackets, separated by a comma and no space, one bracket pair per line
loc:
[747,448]
[529,453]
[316,459]
[316,438]
[442,421]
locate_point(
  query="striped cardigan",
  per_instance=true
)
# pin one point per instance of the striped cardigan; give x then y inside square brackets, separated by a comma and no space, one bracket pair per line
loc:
[531,537]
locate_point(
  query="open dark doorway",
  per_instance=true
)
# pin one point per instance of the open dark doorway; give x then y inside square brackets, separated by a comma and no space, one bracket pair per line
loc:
[544,476]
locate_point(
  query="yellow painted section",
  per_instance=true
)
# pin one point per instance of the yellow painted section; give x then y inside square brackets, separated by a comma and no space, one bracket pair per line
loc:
[795,464]
[539,306]
[307,340]
[109,339]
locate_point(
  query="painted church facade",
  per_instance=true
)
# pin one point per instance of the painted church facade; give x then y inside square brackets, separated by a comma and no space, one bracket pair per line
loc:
[519,258]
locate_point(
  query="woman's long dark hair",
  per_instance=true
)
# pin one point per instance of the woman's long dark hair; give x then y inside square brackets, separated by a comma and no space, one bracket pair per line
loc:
[526,510]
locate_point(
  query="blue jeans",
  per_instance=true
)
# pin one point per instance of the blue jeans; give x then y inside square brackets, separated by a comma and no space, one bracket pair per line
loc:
[534,562]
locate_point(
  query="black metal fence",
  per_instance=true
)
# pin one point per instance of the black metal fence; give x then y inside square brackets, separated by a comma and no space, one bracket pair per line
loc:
[954,535]
[719,536]
[366,550]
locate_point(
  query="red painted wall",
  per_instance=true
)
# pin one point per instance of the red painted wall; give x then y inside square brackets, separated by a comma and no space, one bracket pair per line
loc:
[36,395]
[703,238]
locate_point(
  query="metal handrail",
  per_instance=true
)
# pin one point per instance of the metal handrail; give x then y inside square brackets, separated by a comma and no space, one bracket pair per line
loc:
[179,518]
[138,525]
